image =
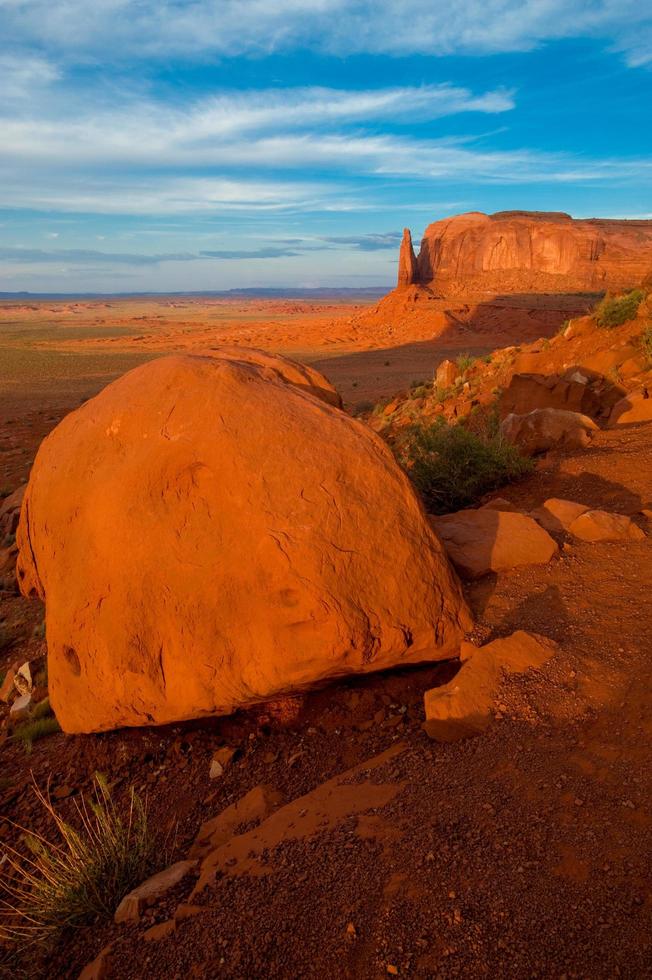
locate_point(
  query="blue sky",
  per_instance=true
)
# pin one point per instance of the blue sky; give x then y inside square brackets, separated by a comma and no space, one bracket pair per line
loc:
[215,144]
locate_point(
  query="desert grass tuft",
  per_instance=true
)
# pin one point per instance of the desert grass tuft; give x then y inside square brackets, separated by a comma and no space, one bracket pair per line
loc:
[35,728]
[80,873]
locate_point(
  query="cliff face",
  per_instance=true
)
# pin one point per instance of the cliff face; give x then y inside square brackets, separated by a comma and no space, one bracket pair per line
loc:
[522,251]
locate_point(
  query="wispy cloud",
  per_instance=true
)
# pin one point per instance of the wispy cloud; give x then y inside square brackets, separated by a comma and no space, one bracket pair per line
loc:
[201,131]
[284,248]
[77,29]
[83,256]
[233,152]
[368,243]
[24,76]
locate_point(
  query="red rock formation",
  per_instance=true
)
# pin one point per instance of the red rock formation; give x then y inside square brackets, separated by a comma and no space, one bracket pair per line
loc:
[208,532]
[529,251]
[407,262]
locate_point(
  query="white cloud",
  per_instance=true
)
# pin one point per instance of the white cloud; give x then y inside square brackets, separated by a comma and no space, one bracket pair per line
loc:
[24,76]
[77,29]
[70,161]
[140,131]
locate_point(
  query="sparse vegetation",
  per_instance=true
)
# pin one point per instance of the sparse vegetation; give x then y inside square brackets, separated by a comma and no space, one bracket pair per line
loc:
[34,729]
[464,362]
[612,311]
[81,874]
[453,467]
[646,343]
[420,391]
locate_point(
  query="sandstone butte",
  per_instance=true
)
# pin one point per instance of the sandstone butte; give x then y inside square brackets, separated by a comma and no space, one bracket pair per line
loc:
[207,534]
[527,251]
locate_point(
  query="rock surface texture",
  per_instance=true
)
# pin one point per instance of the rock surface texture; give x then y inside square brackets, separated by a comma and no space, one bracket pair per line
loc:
[529,251]
[208,536]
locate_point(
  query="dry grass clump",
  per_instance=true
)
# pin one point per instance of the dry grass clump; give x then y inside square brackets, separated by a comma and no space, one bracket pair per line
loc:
[81,872]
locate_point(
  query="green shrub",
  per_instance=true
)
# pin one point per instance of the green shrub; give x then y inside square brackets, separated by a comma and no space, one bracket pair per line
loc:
[464,362]
[646,343]
[452,467]
[612,311]
[83,873]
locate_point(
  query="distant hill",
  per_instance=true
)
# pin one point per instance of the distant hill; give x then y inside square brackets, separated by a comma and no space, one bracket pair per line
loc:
[321,292]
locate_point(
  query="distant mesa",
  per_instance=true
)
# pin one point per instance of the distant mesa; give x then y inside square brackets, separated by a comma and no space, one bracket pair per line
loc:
[526,252]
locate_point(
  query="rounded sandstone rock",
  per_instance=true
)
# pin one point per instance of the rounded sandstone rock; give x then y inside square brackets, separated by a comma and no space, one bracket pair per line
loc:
[207,536]
[548,428]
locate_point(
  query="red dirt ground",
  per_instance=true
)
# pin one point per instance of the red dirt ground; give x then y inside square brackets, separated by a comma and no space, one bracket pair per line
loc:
[521,853]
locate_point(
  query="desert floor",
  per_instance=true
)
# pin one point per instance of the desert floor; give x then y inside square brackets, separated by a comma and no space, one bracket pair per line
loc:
[521,853]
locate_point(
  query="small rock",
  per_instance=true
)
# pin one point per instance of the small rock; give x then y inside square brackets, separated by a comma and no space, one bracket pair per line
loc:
[485,540]
[7,688]
[97,970]
[548,428]
[221,760]
[20,709]
[600,525]
[635,407]
[23,681]
[557,514]
[159,931]
[131,906]
[463,707]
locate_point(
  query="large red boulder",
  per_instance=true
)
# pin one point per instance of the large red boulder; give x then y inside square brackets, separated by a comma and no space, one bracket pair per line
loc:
[207,536]
[276,366]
